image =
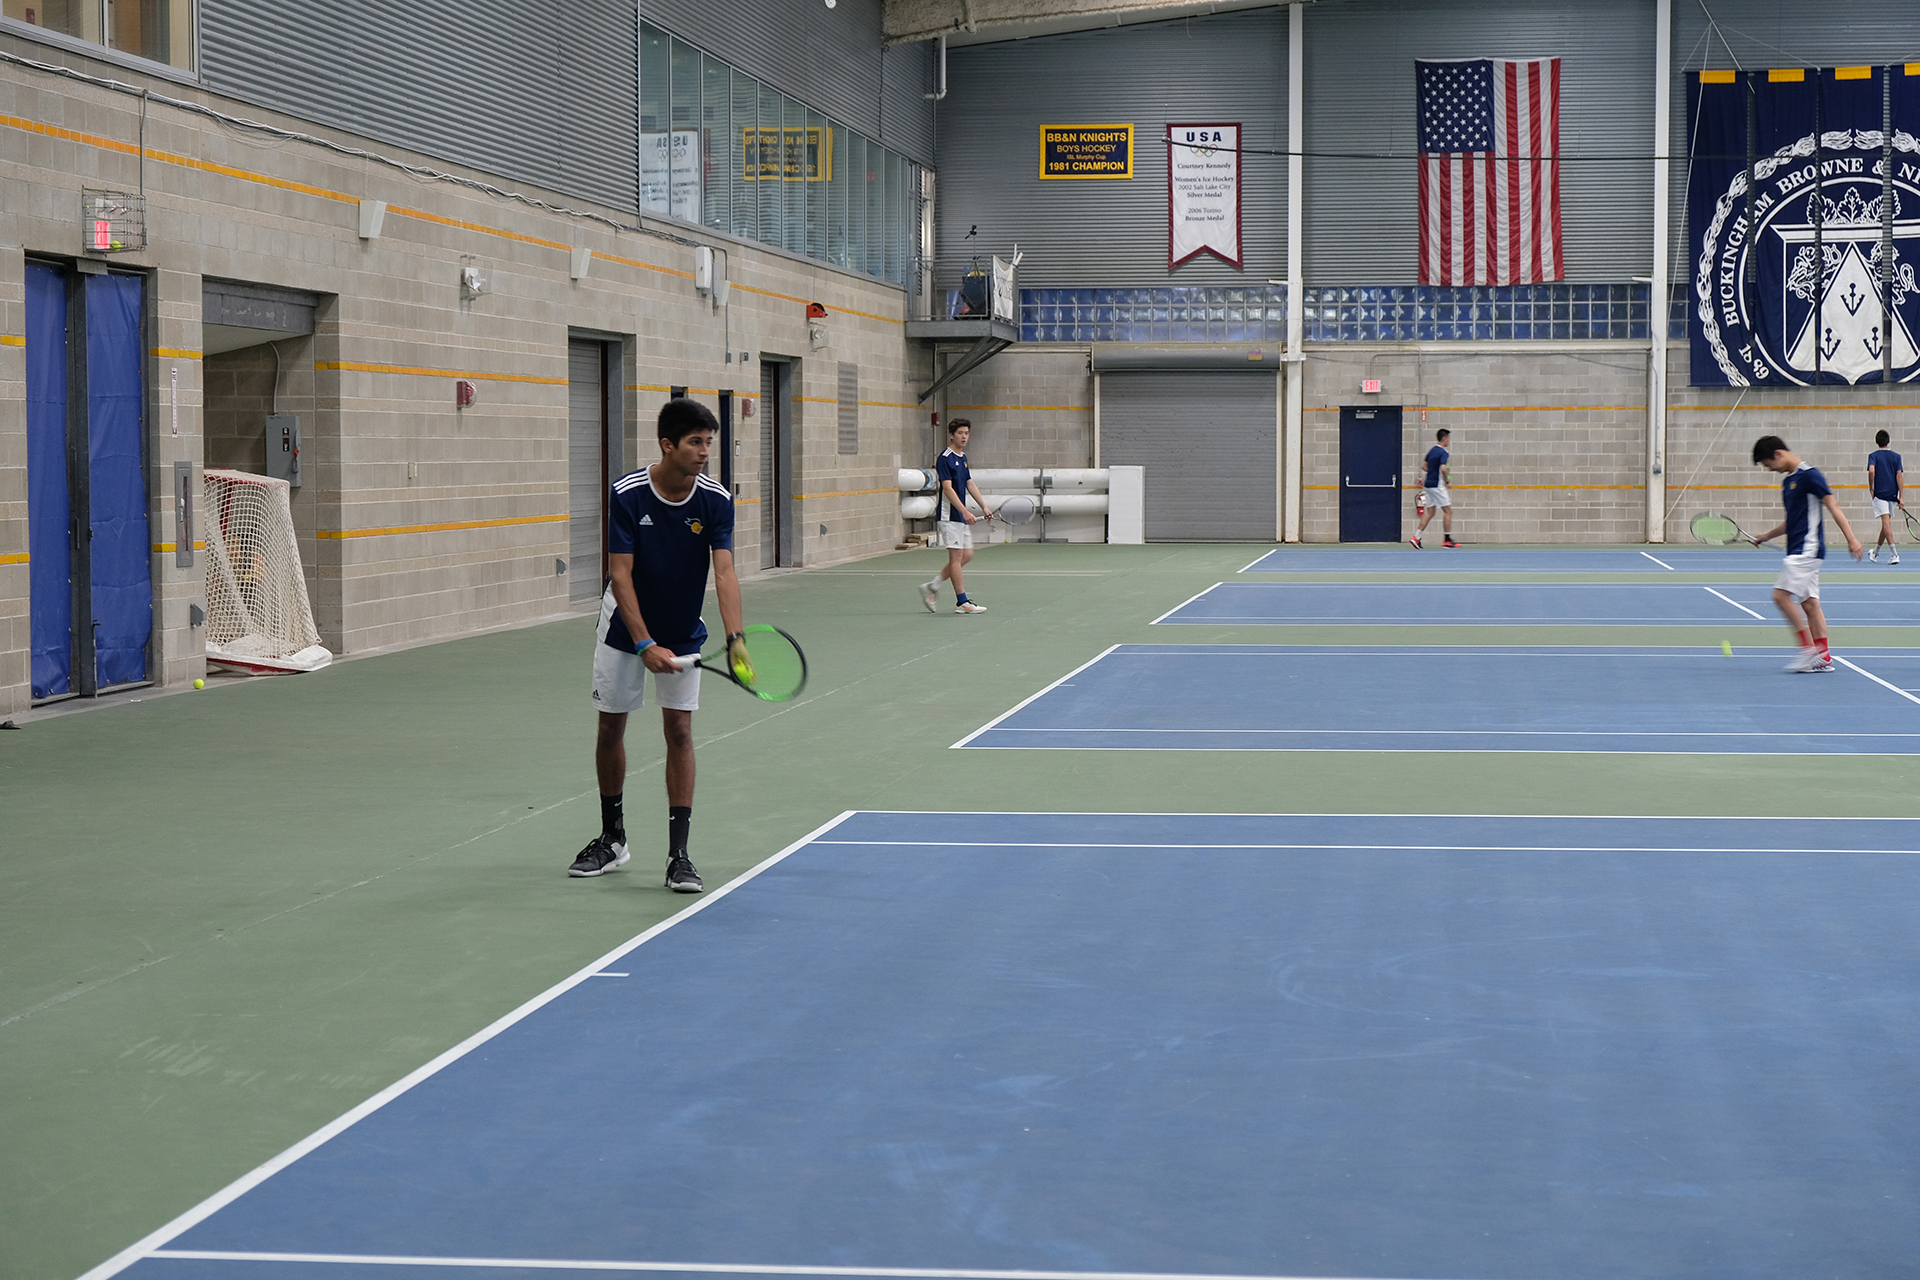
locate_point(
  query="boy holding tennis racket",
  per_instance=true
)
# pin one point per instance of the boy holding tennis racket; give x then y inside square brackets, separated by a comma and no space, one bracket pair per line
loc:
[665,523]
[956,522]
[1436,493]
[1884,479]
[1797,590]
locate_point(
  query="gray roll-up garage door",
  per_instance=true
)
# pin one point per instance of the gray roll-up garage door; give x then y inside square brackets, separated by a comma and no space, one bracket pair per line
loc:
[586,466]
[1207,440]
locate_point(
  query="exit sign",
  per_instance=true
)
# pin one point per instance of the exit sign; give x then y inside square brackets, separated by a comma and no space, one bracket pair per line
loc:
[1371,387]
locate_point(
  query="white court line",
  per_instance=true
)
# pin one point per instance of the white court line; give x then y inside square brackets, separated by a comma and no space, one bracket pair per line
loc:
[1249,567]
[1876,679]
[1189,600]
[604,974]
[1509,733]
[1657,560]
[1735,603]
[1448,817]
[147,1245]
[706,1268]
[1388,848]
[1023,702]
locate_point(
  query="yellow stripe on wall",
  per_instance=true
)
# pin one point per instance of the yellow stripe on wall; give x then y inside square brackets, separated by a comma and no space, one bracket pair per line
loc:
[14,557]
[356,367]
[169,353]
[844,493]
[1031,408]
[9,340]
[343,534]
[166,548]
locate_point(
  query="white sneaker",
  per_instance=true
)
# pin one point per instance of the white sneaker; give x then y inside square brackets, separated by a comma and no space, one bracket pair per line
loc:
[929,591]
[1893,557]
[1809,660]
[968,606]
[1873,554]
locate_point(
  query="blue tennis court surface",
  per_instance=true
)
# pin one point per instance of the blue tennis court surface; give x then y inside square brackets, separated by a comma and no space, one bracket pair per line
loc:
[1245,697]
[1586,604]
[1496,559]
[1081,1045]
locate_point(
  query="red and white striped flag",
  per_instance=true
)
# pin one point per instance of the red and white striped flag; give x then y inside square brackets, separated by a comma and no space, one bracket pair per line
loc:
[1489,172]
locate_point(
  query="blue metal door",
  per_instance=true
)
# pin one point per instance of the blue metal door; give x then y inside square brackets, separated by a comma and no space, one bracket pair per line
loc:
[1370,474]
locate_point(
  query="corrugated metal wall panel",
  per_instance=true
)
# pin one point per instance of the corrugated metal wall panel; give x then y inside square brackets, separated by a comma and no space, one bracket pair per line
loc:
[1360,98]
[910,72]
[829,59]
[1766,34]
[519,91]
[1222,68]
[1207,441]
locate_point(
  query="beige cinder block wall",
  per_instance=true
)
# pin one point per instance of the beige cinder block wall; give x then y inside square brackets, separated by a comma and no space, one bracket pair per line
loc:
[1549,442]
[427,521]
[1031,406]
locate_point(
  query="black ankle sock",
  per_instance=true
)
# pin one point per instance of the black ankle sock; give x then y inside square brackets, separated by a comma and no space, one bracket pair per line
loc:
[679,818]
[612,821]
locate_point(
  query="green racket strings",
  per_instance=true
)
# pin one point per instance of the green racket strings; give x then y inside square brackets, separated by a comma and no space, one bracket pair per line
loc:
[779,669]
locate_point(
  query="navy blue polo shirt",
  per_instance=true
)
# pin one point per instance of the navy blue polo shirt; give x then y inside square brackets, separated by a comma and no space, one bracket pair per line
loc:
[1806,527]
[1886,474]
[672,544]
[953,466]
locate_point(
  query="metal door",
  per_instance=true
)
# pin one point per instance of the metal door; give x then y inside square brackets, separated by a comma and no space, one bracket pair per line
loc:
[1207,440]
[1370,474]
[587,478]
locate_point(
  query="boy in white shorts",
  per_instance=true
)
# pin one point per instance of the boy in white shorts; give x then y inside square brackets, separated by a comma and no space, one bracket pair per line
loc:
[1884,480]
[1797,590]
[665,523]
[1436,497]
[956,522]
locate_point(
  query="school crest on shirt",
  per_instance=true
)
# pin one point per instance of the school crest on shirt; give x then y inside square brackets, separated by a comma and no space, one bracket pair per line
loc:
[693,523]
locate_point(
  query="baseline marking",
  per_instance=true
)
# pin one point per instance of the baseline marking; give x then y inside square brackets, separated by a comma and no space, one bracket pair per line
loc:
[1183,604]
[1730,600]
[1016,707]
[1876,679]
[149,1245]
[1392,848]
[708,1268]
[1657,560]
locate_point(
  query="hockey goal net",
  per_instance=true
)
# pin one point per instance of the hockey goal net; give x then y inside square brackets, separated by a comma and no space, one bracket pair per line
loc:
[258,614]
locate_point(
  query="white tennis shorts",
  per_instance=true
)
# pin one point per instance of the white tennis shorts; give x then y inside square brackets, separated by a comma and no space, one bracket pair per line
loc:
[956,535]
[1438,497]
[619,679]
[1800,577]
[1885,506]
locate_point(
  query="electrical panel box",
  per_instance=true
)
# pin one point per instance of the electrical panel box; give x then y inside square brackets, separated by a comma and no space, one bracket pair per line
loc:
[283,448]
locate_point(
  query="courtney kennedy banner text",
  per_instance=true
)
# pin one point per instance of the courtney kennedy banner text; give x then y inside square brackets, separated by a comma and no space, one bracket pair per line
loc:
[1203,192]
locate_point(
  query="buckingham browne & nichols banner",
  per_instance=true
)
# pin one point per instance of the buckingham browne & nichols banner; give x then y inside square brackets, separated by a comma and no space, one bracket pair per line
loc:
[1803,221]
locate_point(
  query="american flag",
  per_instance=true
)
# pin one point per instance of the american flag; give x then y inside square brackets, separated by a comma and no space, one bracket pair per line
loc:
[1489,206]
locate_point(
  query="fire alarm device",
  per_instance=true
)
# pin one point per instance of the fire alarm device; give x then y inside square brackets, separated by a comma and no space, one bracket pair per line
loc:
[747,407]
[464,393]
[816,312]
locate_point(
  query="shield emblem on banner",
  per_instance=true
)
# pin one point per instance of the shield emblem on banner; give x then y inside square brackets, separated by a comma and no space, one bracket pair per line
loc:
[1830,288]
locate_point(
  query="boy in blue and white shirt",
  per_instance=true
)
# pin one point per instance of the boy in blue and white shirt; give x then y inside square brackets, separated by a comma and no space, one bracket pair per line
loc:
[1883,482]
[1797,590]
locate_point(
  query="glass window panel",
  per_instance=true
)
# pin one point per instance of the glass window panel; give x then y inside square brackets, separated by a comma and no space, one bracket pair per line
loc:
[856,202]
[876,210]
[683,193]
[767,167]
[819,153]
[793,176]
[837,201]
[656,91]
[717,143]
[158,29]
[746,126]
[896,218]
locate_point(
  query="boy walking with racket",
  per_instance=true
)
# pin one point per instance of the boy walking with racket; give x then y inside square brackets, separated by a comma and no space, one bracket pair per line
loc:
[1884,480]
[1797,590]
[665,524]
[956,522]
[1436,493]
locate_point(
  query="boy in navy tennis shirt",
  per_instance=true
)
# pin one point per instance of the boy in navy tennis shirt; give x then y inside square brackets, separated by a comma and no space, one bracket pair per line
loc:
[1437,498]
[665,523]
[1797,590]
[1883,482]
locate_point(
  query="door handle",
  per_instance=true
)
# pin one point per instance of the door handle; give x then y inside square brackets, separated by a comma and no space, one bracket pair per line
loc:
[1391,484]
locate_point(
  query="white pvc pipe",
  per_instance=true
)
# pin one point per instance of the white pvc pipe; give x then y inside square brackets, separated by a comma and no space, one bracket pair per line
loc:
[918,507]
[1083,478]
[913,479]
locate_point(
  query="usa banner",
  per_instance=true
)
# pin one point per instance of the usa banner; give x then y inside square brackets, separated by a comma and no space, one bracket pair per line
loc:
[1203,192]
[1489,171]
[1803,222]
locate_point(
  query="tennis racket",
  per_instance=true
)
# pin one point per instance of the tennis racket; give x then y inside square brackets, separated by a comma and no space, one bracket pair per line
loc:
[1017,510]
[1913,523]
[776,670]
[1717,530]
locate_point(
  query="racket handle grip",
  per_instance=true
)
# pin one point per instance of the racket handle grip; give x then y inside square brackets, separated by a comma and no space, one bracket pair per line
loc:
[686,661]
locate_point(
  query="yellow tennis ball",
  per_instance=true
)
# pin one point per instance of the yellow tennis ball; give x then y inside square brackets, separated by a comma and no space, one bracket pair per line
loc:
[199,684]
[1726,647]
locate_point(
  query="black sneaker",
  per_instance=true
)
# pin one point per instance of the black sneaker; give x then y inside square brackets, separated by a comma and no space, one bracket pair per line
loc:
[602,855]
[681,877]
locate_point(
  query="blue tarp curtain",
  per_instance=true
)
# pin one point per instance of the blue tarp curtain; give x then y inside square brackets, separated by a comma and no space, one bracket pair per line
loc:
[121,547]
[49,548]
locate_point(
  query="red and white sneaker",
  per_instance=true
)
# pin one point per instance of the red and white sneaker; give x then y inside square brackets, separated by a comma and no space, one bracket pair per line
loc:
[1415,540]
[1449,542]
